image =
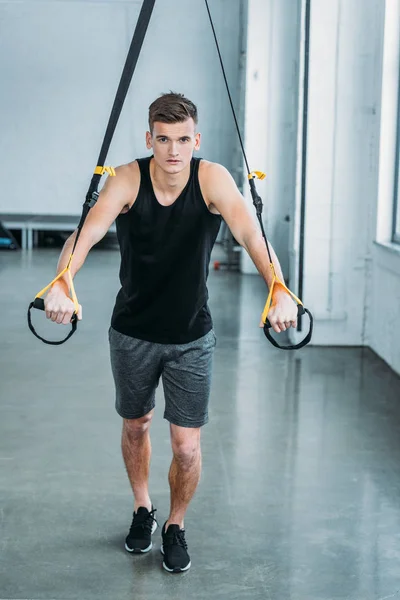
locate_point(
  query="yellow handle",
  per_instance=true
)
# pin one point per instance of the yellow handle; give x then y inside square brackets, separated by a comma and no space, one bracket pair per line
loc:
[71,283]
[271,289]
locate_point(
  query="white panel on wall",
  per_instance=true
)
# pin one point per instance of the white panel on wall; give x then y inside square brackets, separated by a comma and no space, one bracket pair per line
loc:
[384,285]
[60,64]
[271,114]
[342,165]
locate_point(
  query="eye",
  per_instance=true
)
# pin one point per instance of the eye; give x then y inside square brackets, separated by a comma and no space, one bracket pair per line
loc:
[185,139]
[162,139]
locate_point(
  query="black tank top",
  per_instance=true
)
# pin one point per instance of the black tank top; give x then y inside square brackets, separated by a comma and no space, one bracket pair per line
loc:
[165,255]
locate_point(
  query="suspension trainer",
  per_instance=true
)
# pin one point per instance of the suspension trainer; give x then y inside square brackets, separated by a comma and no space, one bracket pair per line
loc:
[258,204]
[93,194]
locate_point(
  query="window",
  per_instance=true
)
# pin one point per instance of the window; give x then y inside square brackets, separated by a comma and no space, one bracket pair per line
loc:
[396,210]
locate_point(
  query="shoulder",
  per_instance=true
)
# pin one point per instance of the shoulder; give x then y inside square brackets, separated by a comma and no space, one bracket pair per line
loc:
[216,183]
[125,184]
[129,172]
[215,180]
[125,174]
[210,171]
[213,177]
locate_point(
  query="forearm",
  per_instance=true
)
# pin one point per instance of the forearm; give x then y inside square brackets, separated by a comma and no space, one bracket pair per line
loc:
[255,246]
[80,254]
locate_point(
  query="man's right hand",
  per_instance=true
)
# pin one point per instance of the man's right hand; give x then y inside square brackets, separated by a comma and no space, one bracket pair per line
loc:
[59,306]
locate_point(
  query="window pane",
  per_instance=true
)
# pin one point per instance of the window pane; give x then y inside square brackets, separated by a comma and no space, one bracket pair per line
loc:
[396,199]
[396,213]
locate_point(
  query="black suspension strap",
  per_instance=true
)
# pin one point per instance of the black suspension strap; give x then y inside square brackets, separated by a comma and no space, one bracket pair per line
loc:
[92,194]
[258,204]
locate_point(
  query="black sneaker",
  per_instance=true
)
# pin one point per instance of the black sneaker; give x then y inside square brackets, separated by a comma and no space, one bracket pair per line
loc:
[174,549]
[143,526]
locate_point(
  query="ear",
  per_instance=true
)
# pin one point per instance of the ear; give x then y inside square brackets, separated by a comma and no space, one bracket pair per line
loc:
[149,140]
[197,141]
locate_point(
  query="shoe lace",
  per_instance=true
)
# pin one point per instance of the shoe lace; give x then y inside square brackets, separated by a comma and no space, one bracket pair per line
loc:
[146,523]
[179,538]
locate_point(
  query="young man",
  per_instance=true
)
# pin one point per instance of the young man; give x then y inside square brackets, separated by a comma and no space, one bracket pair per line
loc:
[168,210]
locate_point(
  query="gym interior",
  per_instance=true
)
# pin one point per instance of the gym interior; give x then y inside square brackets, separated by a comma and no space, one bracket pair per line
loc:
[300,486]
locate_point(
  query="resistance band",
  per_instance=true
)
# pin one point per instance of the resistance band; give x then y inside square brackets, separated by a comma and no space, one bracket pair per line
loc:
[258,204]
[92,194]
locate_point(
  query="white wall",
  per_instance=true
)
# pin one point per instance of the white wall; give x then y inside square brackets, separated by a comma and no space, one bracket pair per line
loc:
[383,332]
[60,63]
[271,114]
[352,271]
[341,164]
[342,156]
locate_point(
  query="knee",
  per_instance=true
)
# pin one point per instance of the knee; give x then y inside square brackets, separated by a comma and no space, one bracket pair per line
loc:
[135,428]
[186,448]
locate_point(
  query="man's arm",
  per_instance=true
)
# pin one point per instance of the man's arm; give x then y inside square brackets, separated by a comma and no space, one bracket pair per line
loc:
[222,195]
[118,193]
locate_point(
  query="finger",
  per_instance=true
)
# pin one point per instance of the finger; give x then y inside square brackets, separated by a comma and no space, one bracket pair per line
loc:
[275,325]
[67,318]
[48,308]
[293,323]
[60,317]
[54,315]
[275,321]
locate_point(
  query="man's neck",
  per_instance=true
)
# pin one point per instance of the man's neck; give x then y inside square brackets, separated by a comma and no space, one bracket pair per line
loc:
[168,183]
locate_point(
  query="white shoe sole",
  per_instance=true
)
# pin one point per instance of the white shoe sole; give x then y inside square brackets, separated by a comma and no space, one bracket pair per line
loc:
[174,570]
[140,550]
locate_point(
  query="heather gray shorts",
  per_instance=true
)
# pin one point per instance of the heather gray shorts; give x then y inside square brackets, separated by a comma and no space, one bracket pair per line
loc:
[185,370]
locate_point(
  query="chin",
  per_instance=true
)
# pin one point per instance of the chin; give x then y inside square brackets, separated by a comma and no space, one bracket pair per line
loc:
[173,169]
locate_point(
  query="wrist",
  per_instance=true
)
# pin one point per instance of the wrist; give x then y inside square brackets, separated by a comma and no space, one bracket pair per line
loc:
[279,290]
[280,293]
[62,285]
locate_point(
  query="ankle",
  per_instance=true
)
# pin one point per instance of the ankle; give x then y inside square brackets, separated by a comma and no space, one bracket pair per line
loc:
[145,502]
[173,521]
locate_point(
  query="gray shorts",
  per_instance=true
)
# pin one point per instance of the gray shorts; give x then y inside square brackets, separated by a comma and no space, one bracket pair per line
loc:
[185,370]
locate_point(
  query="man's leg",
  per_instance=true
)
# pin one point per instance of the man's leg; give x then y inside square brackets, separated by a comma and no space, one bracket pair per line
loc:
[184,474]
[136,451]
[136,366]
[187,382]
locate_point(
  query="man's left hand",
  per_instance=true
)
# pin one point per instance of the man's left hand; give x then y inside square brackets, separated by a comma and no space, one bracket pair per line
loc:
[283,312]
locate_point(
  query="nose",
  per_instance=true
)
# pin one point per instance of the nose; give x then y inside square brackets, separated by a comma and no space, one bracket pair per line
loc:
[173,149]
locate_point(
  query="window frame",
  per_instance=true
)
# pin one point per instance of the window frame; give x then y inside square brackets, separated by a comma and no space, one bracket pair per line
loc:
[396,190]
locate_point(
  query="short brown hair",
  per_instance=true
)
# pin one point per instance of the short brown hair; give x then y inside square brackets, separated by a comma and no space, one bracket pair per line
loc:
[171,108]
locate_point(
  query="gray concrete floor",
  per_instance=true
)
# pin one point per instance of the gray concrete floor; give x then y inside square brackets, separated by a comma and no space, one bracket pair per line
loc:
[299,498]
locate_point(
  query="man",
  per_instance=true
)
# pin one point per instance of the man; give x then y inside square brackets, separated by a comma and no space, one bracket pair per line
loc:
[168,210]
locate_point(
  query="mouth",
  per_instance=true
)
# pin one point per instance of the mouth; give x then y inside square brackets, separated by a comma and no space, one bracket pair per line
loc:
[173,162]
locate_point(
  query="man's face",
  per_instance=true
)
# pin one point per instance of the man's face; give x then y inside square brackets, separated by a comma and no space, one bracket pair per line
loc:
[173,144]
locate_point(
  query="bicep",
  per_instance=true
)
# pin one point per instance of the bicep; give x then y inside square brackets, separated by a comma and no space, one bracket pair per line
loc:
[114,196]
[232,206]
